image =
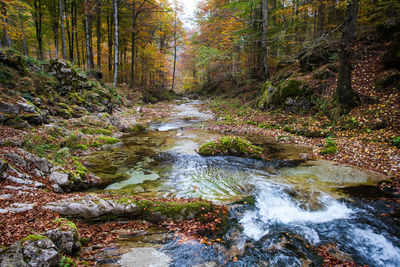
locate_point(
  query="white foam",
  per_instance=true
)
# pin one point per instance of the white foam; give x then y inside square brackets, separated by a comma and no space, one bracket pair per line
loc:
[274,206]
[375,246]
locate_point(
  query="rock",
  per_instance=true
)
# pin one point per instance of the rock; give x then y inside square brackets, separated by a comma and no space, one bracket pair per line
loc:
[3,168]
[17,160]
[57,189]
[37,118]
[297,104]
[20,207]
[59,178]
[40,253]
[145,257]
[3,211]
[66,241]
[40,163]
[92,207]
[26,107]
[8,108]
[387,79]
[6,196]
[317,56]
[19,188]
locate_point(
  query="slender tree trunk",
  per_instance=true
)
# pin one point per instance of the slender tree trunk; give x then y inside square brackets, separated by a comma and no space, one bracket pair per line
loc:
[346,98]
[63,43]
[37,15]
[26,53]
[264,39]
[109,36]
[174,68]
[75,20]
[321,18]
[133,44]
[87,35]
[70,39]
[116,44]
[98,35]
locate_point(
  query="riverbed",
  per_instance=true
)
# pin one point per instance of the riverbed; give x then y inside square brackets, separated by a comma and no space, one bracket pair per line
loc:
[299,205]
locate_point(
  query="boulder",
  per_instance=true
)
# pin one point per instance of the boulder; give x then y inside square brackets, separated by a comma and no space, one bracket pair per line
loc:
[61,179]
[67,241]
[8,108]
[40,163]
[92,207]
[17,160]
[26,107]
[3,168]
[32,251]
[274,97]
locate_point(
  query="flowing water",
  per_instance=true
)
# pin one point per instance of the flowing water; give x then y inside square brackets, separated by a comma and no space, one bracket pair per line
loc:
[297,206]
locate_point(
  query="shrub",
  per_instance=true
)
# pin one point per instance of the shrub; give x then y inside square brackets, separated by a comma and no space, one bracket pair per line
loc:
[330,146]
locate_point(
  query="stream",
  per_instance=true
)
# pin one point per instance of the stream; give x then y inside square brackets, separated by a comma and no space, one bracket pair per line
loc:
[298,205]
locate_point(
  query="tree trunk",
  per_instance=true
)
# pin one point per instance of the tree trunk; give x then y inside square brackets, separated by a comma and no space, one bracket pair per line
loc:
[264,40]
[37,15]
[174,69]
[98,35]
[26,53]
[75,21]
[116,44]
[63,45]
[87,35]
[109,36]
[321,18]
[133,44]
[345,97]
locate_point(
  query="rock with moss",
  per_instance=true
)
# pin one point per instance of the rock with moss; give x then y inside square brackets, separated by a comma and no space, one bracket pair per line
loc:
[65,237]
[274,97]
[231,146]
[96,208]
[317,56]
[32,251]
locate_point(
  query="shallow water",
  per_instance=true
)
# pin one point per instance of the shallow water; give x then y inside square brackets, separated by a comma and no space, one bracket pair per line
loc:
[297,206]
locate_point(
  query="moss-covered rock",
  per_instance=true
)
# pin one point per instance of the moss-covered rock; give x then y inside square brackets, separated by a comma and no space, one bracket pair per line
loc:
[137,128]
[231,146]
[273,97]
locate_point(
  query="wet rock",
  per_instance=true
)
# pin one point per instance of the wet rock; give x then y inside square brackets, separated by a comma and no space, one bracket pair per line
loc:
[66,241]
[92,207]
[20,207]
[59,178]
[145,257]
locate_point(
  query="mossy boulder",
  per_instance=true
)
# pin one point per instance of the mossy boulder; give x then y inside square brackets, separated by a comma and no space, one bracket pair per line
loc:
[317,56]
[273,97]
[391,58]
[137,128]
[231,146]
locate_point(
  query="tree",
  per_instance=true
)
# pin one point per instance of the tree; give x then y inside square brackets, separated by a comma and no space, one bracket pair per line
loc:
[264,39]
[116,43]
[346,98]
[63,45]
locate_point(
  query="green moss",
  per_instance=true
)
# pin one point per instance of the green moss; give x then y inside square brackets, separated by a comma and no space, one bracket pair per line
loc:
[33,238]
[233,146]
[330,146]
[63,222]
[95,130]
[67,262]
